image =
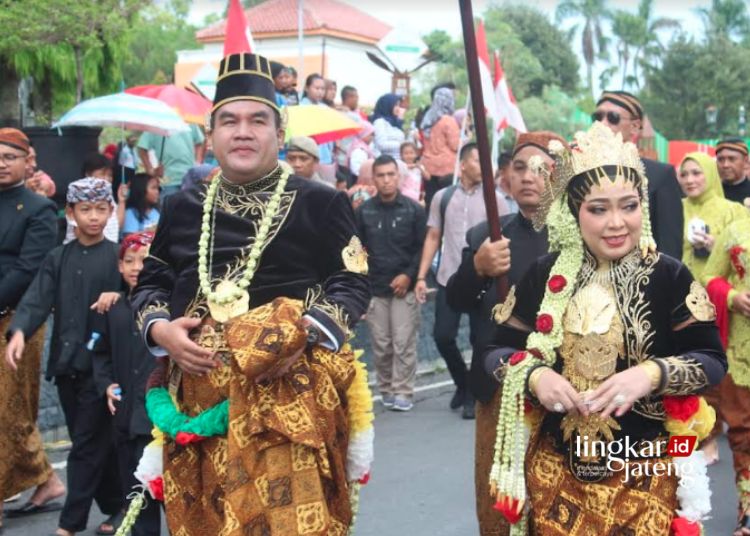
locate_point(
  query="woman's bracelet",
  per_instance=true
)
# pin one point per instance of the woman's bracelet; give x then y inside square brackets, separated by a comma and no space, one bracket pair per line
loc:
[534,378]
[653,371]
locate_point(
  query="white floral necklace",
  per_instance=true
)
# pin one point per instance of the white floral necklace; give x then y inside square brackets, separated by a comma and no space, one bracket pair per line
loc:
[231,298]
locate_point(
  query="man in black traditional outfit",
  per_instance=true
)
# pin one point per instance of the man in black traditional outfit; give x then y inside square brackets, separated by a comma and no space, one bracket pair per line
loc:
[247,278]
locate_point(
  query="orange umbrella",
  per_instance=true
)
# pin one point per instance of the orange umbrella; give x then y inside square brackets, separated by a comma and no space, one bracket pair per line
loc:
[191,106]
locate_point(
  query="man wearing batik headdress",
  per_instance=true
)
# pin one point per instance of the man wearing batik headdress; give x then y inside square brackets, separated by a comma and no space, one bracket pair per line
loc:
[607,348]
[732,160]
[250,288]
[472,290]
[622,112]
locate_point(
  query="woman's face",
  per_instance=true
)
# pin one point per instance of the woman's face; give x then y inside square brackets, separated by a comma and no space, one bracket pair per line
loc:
[330,90]
[692,179]
[316,90]
[152,192]
[610,219]
[399,110]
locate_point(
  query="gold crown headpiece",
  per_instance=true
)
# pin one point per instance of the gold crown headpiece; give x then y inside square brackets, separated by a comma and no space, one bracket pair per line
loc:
[592,150]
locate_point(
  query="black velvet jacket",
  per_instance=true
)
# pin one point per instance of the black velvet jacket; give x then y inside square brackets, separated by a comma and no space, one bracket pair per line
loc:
[304,252]
[652,296]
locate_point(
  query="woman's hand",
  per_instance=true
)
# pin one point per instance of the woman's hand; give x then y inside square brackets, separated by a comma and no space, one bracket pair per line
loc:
[619,392]
[704,240]
[122,193]
[553,390]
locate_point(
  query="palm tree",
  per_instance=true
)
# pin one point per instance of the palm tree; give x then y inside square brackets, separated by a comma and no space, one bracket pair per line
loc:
[726,18]
[648,46]
[593,41]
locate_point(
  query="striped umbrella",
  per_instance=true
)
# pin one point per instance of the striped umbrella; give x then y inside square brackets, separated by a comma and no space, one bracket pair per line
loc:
[191,106]
[125,111]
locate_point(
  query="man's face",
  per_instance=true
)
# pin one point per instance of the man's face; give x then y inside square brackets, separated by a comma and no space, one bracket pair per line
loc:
[627,125]
[302,163]
[352,100]
[245,140]
[470,169]
[13,164]
[526,187]
[731,165]
[385,178]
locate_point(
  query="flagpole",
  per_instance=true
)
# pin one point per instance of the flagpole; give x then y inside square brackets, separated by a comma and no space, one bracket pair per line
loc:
[300,40]
[480,128]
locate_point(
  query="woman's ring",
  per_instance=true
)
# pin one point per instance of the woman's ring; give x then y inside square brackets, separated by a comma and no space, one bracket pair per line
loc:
[619,400]
[558,407]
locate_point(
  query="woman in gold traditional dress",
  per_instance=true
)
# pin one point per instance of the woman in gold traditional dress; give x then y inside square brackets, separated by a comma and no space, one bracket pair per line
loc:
[617,339]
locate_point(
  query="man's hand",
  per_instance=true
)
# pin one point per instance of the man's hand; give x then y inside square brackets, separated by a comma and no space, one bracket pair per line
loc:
[420,290]
[174,338]
[14,350]
[114,394]
[105,302]
[492,259]
[741,303]
[400,285]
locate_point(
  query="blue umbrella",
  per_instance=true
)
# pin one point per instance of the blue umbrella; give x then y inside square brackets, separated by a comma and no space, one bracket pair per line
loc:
[125,111]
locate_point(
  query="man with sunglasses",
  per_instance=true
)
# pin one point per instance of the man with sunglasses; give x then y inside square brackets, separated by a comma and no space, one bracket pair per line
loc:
[622,112]
[28,230]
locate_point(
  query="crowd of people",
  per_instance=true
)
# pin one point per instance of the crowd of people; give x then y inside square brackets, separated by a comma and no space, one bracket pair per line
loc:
[192,262]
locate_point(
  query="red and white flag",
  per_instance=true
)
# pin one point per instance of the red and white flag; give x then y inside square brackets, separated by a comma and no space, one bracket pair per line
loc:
[237,36]
[485,75]
[509,114]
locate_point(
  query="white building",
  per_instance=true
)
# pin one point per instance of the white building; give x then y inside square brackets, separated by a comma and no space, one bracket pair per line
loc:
[336,38]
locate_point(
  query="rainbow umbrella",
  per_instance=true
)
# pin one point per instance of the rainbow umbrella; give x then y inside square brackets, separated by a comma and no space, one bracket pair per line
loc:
[321,123]
[190,106]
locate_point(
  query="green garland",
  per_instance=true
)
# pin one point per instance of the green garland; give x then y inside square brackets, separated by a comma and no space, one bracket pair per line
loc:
[161,410]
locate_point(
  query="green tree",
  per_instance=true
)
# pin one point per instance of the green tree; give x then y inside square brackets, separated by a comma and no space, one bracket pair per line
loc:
[93,32]
[158,33]
[593,40]
[638,40]
[548,44]
[727,19]
[692,77]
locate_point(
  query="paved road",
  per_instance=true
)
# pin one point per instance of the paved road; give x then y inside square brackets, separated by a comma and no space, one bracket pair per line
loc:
[422,478]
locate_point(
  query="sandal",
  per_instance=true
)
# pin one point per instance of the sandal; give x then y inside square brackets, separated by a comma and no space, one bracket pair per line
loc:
[744,523]
[114,521]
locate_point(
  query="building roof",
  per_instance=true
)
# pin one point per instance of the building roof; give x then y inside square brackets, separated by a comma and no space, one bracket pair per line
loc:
[277,18]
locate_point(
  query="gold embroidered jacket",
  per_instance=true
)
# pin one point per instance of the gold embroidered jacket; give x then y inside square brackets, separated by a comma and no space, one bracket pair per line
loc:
[311,252]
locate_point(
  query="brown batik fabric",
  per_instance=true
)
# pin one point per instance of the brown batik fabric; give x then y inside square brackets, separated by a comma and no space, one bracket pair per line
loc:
[491,522]
[281,470]
[23,464]
[561,505]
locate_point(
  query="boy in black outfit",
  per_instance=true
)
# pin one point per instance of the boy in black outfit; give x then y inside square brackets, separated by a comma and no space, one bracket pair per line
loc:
[70,279]
[122,365]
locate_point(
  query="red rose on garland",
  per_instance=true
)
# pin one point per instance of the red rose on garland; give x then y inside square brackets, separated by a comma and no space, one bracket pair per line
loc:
[157,488]
[185,438]
[544,323]
[509,509]
[556,283]
[535,352]
[681,407]
[365,479]
[516,358]
[683,527]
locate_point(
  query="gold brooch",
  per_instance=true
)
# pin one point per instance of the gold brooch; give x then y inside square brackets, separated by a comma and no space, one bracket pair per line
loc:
[355,256]
[503,311]
[699,304]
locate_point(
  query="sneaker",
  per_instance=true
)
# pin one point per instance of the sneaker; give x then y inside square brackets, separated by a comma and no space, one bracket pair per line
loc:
[458,399]
[402,403]
[388,400]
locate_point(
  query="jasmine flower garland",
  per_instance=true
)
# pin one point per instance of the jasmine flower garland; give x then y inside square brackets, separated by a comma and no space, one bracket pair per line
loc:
[271,210]
[507,480]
